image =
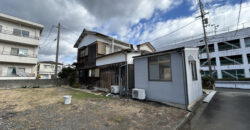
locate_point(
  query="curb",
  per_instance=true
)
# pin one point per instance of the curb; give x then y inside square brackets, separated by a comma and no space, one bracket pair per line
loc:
[183,121]
[190,114]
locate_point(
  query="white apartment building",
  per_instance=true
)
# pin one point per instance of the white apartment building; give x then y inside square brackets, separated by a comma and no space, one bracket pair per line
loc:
[229,53]
[46,69]
[19,42]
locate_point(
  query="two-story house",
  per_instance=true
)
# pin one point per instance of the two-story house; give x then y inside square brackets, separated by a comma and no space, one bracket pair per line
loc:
[103,61]
[19,42]
[46,69]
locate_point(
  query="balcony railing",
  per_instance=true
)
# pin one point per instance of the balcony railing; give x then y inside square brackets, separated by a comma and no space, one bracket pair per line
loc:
[9,32]
[21,55]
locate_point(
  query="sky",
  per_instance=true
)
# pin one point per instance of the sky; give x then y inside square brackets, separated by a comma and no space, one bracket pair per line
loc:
[133,21]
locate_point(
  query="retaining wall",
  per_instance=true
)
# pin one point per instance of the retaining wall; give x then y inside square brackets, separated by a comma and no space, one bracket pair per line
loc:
[42,83]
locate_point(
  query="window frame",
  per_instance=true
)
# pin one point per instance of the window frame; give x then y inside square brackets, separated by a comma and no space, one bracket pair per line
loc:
[193,70]
[163,80]
[46,67]
[25,35]
[24,50]
[1,28]
[14,68]
[246,41]
[92,73]
[12,50]
[15,30]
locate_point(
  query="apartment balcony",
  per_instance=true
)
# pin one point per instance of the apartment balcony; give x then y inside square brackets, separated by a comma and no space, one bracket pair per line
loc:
[8,36]
[24,59]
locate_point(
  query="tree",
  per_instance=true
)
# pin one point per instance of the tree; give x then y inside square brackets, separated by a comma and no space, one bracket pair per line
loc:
[69,74]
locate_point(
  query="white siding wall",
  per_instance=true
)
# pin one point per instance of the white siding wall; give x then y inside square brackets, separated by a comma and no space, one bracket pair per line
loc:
[130,59]
[51,69]
[8,41]
[88,39]
[8,26]
[194,86]
[4,68]
[115,58]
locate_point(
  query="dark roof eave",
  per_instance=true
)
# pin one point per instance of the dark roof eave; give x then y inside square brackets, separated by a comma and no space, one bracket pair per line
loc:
[159,52]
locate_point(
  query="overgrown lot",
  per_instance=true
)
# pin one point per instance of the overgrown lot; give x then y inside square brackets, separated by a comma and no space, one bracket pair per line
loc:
[43,108]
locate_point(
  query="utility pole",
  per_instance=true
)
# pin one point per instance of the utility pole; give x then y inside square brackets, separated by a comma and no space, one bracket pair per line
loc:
[57,49]
[205,37]
[215,27]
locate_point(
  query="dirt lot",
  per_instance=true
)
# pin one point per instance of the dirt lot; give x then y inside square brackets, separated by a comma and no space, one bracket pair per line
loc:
[43,108]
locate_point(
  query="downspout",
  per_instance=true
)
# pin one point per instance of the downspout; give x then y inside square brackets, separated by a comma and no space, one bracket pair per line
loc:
[126,64]
[119,78]
[185,81]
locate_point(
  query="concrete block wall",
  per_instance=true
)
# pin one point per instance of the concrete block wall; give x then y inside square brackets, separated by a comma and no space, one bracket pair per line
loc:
[42,83]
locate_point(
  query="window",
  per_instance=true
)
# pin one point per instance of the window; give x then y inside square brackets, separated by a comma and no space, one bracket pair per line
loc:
[81,73]
[17,32]
[247,42]
[107,47]
[233,74]
[206,73]
[84,52]
[1,28]
[14,51]
[94,72]
[25,33]
[19,52]
[248,57]
[11,71]
[193,69]
[229,45]
[47,66]
[210,48]
[117,49]
[23,52]
[204,62]
[160,68]
[231,60]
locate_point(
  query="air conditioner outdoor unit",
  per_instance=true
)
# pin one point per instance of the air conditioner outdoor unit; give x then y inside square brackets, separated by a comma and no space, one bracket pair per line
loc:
[138,94]
[115,89]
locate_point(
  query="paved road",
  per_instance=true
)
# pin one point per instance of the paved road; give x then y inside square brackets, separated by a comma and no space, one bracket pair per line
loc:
[228,110]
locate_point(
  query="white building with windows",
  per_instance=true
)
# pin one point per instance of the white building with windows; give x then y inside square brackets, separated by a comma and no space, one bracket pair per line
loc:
[19,42]
[170,76]
[229,53]
[46,69]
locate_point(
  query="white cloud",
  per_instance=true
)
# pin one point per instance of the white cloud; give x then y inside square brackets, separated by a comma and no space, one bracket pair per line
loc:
[116,18]
[225,16]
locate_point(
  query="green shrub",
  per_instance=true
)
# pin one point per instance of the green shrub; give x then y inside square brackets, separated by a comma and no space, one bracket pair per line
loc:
[207,82]
[76,85]
[69,74]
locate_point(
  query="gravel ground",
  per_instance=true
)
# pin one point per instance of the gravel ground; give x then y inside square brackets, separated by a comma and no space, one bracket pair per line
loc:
[43,109]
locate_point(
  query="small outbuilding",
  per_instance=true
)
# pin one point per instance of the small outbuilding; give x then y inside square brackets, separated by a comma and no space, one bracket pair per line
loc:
[171,77]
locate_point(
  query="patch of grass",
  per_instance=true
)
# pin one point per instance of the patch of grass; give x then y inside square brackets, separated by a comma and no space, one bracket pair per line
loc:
[118,118]
[83,95]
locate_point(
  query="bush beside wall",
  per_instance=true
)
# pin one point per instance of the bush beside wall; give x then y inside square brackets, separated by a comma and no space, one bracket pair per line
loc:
[207,82]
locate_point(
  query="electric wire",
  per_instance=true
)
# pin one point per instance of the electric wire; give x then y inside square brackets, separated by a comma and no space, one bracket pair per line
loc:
[51,28]
[238,21]
[182,27]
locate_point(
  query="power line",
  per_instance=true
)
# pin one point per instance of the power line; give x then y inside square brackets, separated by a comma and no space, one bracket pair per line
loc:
[46,39]
[45,45]
[238,18]
[67,28]
[174,30]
